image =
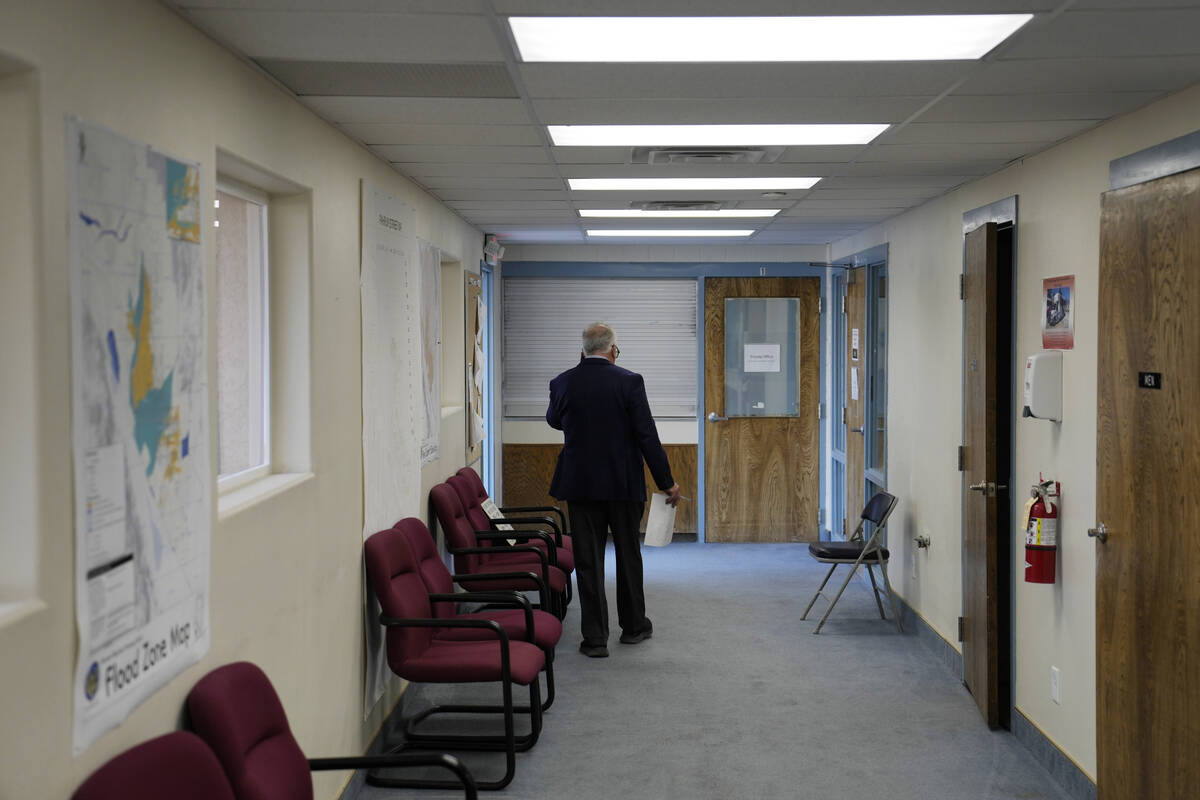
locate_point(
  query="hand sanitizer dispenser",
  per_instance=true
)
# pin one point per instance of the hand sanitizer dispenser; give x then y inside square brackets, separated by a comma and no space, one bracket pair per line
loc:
[1043,385]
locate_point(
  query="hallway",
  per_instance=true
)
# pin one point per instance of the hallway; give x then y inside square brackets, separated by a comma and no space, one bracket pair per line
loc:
[734,698]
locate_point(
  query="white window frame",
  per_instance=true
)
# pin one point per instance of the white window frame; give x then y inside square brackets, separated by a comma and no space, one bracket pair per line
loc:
[260,358]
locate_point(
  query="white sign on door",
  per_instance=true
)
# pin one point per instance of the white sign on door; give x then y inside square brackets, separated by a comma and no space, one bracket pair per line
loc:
[761,358]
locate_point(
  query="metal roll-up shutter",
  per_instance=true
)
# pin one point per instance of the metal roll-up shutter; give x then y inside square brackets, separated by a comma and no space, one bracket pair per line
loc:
[655,320]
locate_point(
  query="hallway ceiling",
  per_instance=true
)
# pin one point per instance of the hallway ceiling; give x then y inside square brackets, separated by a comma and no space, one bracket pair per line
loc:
[436,88]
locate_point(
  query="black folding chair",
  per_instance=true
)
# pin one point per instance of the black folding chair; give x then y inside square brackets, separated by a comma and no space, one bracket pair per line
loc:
[856,552]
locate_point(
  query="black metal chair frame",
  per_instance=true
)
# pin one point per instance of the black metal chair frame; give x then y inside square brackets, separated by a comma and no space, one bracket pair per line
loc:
[408,760]
[509,742]
[868,554]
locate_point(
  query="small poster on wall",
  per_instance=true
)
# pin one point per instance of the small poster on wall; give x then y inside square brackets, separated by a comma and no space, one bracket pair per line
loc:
[1058,313]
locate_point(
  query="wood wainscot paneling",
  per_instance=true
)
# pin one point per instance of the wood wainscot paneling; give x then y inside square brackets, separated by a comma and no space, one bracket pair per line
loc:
[528,469]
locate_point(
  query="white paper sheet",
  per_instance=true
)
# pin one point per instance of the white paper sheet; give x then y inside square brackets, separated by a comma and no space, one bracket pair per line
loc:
[660,527]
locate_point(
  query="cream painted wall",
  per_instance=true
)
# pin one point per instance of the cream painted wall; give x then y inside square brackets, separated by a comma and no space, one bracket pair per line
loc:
[286,585]
[1057,234]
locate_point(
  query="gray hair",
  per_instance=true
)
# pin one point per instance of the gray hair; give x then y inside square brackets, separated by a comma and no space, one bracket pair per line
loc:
[598,338]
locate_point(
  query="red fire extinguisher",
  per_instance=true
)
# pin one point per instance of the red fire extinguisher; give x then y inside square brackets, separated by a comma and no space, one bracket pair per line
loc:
[1041,532]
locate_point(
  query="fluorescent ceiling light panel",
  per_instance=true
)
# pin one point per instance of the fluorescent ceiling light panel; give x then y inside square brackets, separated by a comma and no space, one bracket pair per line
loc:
[918,37]
[639,213]
[689,184]
[683,233]
[712,135]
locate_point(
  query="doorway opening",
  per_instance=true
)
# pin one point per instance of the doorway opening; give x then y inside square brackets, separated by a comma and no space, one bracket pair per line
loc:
[1006,388]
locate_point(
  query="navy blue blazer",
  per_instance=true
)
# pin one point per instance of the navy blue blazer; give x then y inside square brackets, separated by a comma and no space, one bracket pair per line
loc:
[605,418]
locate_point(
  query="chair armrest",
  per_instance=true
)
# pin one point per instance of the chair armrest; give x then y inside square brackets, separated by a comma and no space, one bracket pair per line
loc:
[541,553]
[551,550]
[497,576]
[424,622]
[515,599]
[562,518]
[402,760]
[549,523]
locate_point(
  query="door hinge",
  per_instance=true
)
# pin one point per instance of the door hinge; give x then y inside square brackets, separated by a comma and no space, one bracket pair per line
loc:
[962,287]
[820,305]
[882,287]
[843,304]
[820,411]
[962,629]
[962,458]
[843,415]
[820,518]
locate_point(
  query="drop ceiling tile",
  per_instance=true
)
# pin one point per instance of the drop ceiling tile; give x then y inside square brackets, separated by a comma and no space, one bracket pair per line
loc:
[825,154]
[434,154]
[558,234]
[963,133]
[888,196]
[336,36]
[940,183]
[507,205]
[694,171]
[1116,34]
[445,135]
[391,79]
[970,167]
[860,203]
[591,155]
[748,109]
[410,6]
[673,8]
[1093,106]
[419,110]
[491,194]
[420,170]
[843,215]
[439,184]
[1005,151]
[1054,75]
[850,79]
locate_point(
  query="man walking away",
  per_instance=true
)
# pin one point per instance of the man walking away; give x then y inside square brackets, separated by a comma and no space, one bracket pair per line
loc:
[608,430]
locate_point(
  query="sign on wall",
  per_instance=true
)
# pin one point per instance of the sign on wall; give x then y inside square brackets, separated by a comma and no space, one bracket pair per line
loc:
[391,374]
[1058,313]
[143,484]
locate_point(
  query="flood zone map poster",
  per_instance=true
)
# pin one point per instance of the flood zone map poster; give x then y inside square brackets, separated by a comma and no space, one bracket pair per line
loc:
[143,485]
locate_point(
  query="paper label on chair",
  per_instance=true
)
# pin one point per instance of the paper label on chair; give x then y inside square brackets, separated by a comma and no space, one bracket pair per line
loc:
[1042,532]
[493,512]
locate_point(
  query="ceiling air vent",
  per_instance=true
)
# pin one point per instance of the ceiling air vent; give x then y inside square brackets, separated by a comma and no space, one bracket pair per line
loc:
[678,205]
[699,156]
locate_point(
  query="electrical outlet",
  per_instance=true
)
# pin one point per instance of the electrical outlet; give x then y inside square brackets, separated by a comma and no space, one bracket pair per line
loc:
[1054,683]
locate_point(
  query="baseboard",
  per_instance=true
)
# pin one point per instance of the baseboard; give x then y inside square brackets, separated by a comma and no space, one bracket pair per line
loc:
[1065,772]
[389,731]
[941,649]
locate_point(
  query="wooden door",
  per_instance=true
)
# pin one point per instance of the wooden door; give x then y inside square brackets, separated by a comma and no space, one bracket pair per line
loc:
[762,473]
[980,528]
[1147,464]
[856,395]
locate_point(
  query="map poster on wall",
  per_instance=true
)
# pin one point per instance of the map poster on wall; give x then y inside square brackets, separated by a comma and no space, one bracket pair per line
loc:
[1058,313]
[391,377]
[431,349]
[143,485]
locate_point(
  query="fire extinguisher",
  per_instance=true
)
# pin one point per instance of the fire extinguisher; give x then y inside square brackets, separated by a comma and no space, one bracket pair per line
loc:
[1041,532]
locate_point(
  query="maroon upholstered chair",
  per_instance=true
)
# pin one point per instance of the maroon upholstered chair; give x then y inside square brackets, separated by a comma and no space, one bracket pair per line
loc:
[479,552]
[475,483]
[418,651]
[236,711]
[547,629]
[472,494]
[179,766]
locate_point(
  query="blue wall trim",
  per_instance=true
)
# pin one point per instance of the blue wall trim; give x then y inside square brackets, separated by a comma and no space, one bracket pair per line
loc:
[660,269]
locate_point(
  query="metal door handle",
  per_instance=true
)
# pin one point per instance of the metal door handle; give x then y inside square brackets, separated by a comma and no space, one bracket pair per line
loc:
[1100,532]
[856,430]
[715,417]
[987,488]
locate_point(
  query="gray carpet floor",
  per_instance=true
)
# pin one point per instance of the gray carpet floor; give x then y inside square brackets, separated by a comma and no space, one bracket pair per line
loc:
[733,697]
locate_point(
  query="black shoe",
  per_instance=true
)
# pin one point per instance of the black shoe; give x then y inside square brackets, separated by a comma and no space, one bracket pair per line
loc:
[593,650]
[641,636]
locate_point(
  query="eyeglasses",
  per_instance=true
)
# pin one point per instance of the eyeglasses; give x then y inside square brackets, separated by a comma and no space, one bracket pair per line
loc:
[616,351]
